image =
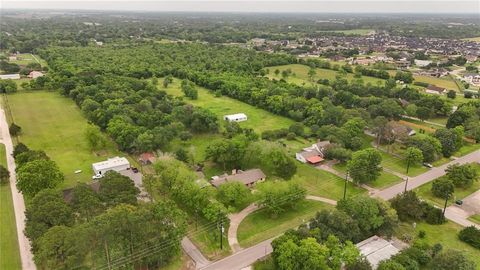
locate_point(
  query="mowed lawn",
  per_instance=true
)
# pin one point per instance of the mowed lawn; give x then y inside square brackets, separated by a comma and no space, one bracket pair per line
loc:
[260,225]
[445,82]
[385,179]
[9,251]
[300,74]
[324,184]
[445,234]
[53,123]
[258,119]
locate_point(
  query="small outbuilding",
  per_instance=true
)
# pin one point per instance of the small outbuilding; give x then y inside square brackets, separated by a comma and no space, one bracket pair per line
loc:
[112,164]
[376,249]
[433,89]
[35,74]
[10,77]
[238,117]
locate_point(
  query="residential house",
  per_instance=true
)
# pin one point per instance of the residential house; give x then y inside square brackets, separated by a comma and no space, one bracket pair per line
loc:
[432,89]
[10,77]
[112,164]
[376,249]
[313,154]
[472,78]
[402,63]
[238,117]
[147,158]
[249,177]
[35,74]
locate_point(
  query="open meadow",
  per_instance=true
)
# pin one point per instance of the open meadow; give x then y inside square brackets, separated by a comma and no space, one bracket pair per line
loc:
[9,250]
[54,123]
[300,74]
[258,119]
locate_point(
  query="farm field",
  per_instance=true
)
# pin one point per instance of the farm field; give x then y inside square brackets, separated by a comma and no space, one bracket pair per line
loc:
[258,119]
[477,39]
[300,74]
[445,234]
[54,123]
[9,250]
[425,192]
[24,59]
[260,226]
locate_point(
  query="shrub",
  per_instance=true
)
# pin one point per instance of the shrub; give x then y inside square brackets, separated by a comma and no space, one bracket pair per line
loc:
[4,175]
[14,129]
[434,216]
[471,236]
[421,234]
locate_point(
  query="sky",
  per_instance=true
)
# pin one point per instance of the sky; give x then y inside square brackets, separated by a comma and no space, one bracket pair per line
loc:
[303,6]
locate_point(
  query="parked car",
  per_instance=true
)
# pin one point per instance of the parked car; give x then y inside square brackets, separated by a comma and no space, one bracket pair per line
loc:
[428,165]
[458,202]
[135,170]
[97,176]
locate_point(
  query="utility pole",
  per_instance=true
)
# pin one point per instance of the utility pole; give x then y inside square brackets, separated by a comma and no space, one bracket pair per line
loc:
[406,184]
[445,206]
[345,188]
[221,233]
[408,167]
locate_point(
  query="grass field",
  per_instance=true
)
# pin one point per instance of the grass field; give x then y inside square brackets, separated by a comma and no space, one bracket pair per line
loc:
[477,39]
[445,234]
[258,119]
[445,82]
[385,179]
[260,226]
[207,238]
[322,183]
[300,75]
[400,166]
[9,251]
[24,59]
[55,124]
[425,192]
[475,218]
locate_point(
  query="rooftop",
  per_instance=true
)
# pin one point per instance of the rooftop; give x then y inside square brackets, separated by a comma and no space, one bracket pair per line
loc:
[377,249]
[111,162]
[245,177]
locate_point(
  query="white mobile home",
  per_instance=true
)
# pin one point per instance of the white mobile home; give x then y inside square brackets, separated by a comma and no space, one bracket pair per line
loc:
[238,117]
[112,164]
[10,77]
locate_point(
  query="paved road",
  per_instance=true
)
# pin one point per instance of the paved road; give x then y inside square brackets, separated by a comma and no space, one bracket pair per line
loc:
[194,253]
[242,258]
[26,255]
[424,178]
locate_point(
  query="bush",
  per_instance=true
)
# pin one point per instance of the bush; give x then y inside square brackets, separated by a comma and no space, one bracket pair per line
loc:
[422,234]
[471,236]
[422,84]
[14,129]
[291,136]
[4,175]
[434,216]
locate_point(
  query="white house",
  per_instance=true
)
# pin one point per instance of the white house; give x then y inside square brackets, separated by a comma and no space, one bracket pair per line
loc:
[376,249]
[35,74]
[432,89]
[238,117]
[313,154]
[422,63]
[472,78]
[10,77]
[112,164]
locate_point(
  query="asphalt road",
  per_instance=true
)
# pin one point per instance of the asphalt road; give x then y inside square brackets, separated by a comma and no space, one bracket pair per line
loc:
[26,255]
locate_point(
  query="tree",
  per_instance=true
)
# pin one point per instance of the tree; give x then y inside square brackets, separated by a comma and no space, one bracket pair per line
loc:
[408,206]
[443,187]
[233,194]
[19,148]
[424,113]
[452,259]
[413,156]
[462,175]
[451,94]
[86,202]
[364,166]
[282,165]
[471,236]
[311,74]
[227,153]
[8,86]
[116,189]
[182,155]
[276,197]
[96,140]
[334,222]
[405,77]
[448,140]
[14,129]
[360,264]
[188,89]
[4,175]
[36,175]
[430,146]
[47,209]
[61,247]
[297,128]
[168,80]
[390,265]
[373,216]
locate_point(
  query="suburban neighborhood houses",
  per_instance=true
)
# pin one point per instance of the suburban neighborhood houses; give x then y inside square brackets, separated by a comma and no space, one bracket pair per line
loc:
[253,136]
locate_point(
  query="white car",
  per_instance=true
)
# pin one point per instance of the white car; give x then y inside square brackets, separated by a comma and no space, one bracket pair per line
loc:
[97,176]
